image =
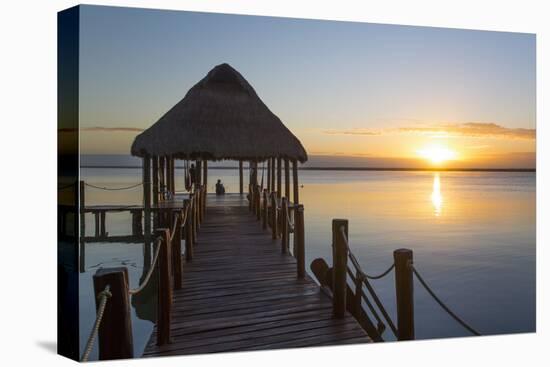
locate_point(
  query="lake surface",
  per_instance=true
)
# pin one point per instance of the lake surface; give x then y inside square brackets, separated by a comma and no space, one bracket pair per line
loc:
[472,233]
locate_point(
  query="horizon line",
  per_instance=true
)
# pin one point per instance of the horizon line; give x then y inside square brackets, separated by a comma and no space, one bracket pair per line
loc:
[335,168]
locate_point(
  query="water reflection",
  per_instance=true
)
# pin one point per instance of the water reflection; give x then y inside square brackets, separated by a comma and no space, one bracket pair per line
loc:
[437,199]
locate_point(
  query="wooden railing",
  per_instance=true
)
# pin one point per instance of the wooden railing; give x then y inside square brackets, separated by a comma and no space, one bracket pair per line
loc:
[115,330]
[361,300]
[283,219]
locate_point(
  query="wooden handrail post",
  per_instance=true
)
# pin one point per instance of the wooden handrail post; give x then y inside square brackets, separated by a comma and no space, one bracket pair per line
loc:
[258,202]
[265,209]
[284,225]
[115,332]
[404,292]
[273,216]
[241,177]
[250,196]
[164,315]
[340,265]
[176,247]
[188,231]
[299,233]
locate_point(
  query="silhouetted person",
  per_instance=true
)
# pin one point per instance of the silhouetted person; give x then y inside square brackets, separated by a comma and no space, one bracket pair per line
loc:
[220,190]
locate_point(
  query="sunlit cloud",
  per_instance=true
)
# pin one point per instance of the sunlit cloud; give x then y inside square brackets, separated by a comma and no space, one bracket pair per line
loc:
[473,130]
[351,132]
[449,130]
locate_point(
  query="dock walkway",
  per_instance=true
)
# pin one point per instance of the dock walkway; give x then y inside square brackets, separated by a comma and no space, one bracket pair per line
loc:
[241,293]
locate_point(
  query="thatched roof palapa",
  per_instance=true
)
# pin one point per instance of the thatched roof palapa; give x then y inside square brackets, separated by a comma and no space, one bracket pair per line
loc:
[221,117]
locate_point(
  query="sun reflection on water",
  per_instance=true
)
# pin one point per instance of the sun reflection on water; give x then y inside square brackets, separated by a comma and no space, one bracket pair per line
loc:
[437,199]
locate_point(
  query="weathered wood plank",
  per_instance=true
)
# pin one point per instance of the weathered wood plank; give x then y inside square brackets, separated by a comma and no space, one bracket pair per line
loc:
[241,293]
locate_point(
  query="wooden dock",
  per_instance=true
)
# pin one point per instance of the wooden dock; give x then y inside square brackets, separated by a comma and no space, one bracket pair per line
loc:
[241,292]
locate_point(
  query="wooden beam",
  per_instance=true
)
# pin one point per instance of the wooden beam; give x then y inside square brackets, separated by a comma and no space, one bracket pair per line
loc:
[279,169]
[241,177]
[295,181]
[155,180]
[287,179]
[205,175]
[269,175]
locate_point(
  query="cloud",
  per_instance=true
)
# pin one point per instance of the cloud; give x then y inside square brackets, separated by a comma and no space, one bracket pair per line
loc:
[474,130]
[468,129]
[351,132]
[103,129]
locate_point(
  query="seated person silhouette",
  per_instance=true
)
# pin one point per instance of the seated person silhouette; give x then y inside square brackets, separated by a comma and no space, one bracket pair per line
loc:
[220,190]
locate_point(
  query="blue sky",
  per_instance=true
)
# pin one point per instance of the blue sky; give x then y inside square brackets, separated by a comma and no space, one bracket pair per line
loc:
[330,82]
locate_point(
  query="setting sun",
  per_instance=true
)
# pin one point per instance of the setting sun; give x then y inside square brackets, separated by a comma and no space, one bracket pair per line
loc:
[437,154]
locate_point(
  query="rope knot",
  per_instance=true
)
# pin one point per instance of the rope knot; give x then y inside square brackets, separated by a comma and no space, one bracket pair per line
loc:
[104,293]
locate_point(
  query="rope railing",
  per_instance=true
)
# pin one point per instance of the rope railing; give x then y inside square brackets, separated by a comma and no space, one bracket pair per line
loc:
[104,297]
[61,188]
[364,277]
[113,188]
[143,284]
[443,305]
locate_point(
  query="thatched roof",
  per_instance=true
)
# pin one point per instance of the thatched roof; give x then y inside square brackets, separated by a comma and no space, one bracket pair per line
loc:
[221,117]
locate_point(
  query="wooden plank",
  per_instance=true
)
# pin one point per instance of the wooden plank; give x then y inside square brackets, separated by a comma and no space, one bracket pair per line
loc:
[241,293]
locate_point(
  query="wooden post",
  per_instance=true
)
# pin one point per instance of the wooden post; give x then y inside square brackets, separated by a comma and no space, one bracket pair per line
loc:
[155,181]
[164,315]
[265,209]
[147,195]
[284,225]
[269,188]
[295,181]
[287,179]
[205,176]
[102,226]
[403,259]
[258,203]
[176,247]
[188,233]
[279,169]
[273,216]
[115,332]
[168,177]
[198,170]
[162,176]
[96,220]
[273,174]
[172,175]
[241,187]
[340,265]
[299,233]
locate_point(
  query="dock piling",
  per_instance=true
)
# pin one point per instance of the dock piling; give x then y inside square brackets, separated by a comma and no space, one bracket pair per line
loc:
[340,265]
[403,259]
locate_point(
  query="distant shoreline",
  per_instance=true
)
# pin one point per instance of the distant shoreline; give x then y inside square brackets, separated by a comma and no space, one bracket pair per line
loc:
[428,169]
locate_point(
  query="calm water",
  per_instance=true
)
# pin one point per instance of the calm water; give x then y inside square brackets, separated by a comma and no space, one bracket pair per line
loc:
[473,237]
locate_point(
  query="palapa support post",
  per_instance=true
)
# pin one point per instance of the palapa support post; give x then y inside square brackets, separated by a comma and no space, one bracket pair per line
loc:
[273,216]
[155,180]
[269,187]
[205,176]
[198,172]
[96,222]
[295,181]
[404,289]
[172,176]
[287,179]
[299,233]
[147,195]
[241,177]
[258,197]
[162,176]
[164,316]
[279,183]
[340,265]
[115,339]
[273,174]
[265,209]
[102,225]
[176,247]
[188,231]
[284,225]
